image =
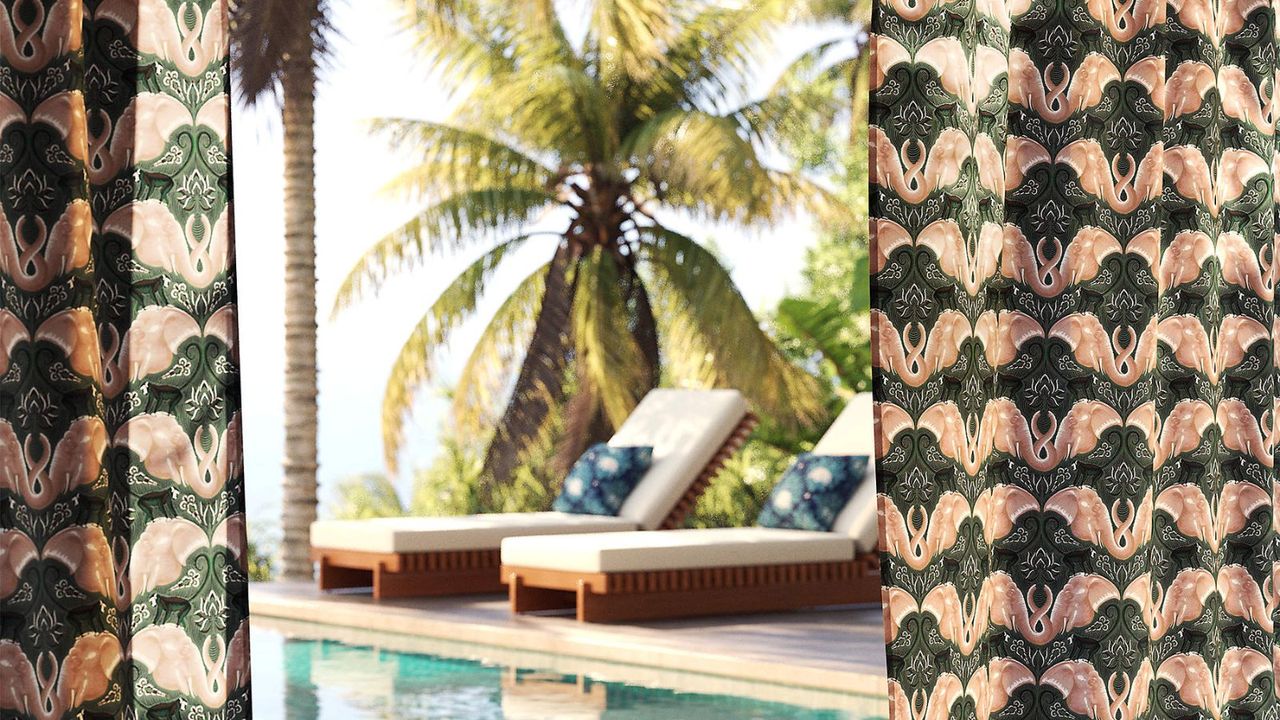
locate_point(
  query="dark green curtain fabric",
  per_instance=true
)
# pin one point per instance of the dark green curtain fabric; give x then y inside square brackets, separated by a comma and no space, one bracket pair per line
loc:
[1074,263]
[122,548]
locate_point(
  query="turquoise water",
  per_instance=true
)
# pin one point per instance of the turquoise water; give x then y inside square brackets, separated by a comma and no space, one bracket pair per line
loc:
[298,679]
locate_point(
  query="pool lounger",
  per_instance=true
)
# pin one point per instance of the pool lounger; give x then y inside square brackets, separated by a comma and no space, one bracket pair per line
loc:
[627,576]
[693,432]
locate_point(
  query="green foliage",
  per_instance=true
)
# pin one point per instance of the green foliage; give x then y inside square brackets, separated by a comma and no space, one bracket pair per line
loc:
[737,494]
[530,489]
[368,495]
[449,486]
[827,326]
[824,328]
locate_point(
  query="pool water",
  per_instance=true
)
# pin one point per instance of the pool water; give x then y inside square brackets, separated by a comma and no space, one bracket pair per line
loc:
[300,679]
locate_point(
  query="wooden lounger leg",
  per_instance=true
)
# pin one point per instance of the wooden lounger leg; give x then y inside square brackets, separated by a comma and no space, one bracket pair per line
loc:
[866,579]
[532,599]
[332,577]
[591,607]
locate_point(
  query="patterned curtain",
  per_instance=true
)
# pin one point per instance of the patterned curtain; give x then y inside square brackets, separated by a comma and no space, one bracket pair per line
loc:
[122,578]
[1074,261]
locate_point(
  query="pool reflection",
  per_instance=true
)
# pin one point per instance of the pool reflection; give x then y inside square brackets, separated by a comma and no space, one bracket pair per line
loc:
[534,696]
[324,680]
[301,699]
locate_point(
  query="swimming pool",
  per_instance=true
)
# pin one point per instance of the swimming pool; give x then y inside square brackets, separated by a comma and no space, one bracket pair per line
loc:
[309,679]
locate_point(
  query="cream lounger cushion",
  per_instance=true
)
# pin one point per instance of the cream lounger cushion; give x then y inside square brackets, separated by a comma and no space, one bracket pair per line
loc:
[467,532]
[686,429]
[855,528]
[675,549]
[853,434]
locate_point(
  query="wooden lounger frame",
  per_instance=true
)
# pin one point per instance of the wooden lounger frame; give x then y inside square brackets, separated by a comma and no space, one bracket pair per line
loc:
[660,594]
[466,572]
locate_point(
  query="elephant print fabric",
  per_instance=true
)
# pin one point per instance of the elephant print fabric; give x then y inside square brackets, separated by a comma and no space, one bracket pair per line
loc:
[122,534]
[1074,262]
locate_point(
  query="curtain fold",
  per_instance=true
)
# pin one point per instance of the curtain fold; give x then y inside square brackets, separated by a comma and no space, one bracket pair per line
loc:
[1074,263]
[122,535]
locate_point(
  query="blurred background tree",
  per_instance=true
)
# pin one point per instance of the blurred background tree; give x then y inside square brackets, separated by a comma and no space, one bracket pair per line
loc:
[277,47]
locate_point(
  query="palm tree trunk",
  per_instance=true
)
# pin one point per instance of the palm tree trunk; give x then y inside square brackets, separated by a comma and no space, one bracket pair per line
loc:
[645,328]
[539,388]
[298,89]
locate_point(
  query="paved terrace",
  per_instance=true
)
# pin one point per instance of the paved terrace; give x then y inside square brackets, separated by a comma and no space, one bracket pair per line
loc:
[830,658]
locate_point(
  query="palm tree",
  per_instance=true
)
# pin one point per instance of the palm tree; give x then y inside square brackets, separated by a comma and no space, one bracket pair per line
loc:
[277,46]
[644,117]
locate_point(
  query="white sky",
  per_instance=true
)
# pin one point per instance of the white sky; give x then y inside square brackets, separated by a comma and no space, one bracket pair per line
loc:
[375,74]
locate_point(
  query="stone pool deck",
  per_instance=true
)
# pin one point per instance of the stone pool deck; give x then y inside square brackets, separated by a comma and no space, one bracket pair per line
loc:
[829,658]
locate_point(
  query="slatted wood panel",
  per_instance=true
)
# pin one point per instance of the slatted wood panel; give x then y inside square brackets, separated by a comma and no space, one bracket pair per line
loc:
[746,576]
[446,561]
[451,572]
[690,498]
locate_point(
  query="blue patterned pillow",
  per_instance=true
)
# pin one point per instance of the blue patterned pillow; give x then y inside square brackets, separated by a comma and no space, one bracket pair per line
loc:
[813,491]
[602,479]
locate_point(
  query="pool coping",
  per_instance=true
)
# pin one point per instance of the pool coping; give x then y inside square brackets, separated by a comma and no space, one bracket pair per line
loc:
[571,648]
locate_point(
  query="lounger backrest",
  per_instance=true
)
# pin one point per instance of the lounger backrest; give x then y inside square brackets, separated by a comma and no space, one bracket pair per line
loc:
[686,429]
[853,434]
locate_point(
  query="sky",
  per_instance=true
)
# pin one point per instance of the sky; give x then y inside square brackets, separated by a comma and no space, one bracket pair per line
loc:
[375,73]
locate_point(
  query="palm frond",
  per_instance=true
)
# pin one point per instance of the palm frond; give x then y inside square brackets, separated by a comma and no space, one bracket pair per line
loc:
[415,364]
[492,365]
[553,106]
[708,166]
[462,40]
[703,155]
[585,419]
[806,95]
[474,44]
[265,34]
[804,195]
[455,160]
[853,11]
[608,356]
[859,110]
[711,56]
[731,346]
[630,37]
[543,21]
[819,65]
[827,327]
[450,224]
